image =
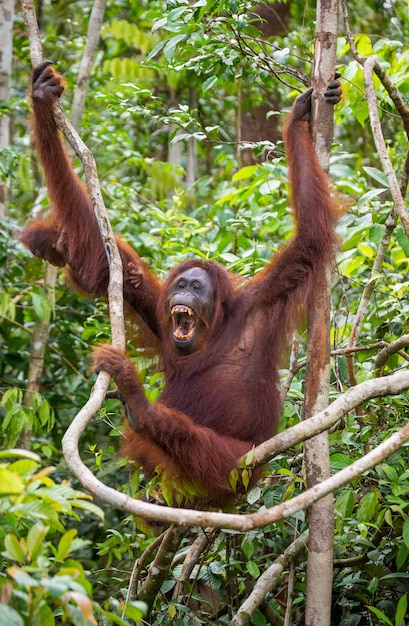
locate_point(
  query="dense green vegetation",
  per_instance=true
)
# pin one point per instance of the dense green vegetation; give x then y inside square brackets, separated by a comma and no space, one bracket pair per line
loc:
[171,75]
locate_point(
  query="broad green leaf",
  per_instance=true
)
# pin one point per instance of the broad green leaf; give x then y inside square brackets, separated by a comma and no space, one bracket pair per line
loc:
[21,577]
[246,172]
[258,619]
[15,548]
[171,44]
[253,495]
[369,195]
[377,175]
[402,239]
[344,504]
[35,538]
[135,610]
[248,548]
[233,478]
[65,543]
[401,610]
[245,478]
[349,266]
[405,532]
[366,250]
[25,466]
[9,616]
[390,472]
[46,616]
[208,84]
[401,556]
[7,306]
[10,482]
[380,615]
[376,233]
[364,45]
[338,460]
[85,505]
[362,113]
[367,506]
[253,569]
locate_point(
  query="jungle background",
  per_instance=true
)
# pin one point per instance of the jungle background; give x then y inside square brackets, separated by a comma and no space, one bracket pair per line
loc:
[183,113]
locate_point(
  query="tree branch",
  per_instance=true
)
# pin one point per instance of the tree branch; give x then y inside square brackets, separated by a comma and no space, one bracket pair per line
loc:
[269,580]
[388,385]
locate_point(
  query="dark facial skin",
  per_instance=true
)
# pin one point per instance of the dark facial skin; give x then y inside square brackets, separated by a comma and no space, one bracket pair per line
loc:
[190,304]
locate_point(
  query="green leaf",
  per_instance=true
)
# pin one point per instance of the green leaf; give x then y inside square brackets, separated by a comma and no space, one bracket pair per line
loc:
[25,467]
[253,495]
[248,548]
[339,461]
[233,478]
[344,504]
[364,45]
[86,505]
[208,84]
[369,195]
[15,548]
[401,610]
[136,610]
[22,578]
[156,49]
[258,619]
[402,239]
[65,543]
[380,615]
[35,538]
[245,478]
[9,616]
[367,507]
[405,532]
[366,250]
[169,49]
[10,483]
[42,306]
[246,172]
[253,569]
[377,175]
[229,257]
[45,616]
[401,556]
[376,233]
[362,113]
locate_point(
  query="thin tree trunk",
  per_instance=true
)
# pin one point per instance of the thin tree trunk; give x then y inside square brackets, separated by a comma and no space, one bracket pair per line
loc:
[6,39]
[37,348]
[94,31]
[321,514]
[191,166]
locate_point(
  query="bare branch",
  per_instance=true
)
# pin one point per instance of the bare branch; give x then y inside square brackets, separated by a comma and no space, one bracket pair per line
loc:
[161,564]
[353,397]
[392,348]
[87,60]
[201,543]
[367,293]
[369,66]
[388,385]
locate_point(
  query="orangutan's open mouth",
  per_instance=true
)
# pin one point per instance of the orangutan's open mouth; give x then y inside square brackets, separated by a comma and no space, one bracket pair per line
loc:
[183,321]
